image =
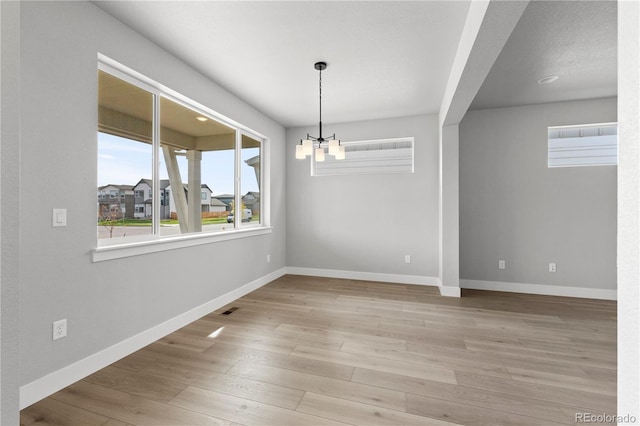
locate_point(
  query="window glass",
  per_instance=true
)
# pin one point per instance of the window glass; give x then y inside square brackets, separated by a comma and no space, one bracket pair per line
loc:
[196,151]
[124,155]
[250,182]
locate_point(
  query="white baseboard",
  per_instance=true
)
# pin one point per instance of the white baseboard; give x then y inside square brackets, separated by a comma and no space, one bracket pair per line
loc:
[449,291]
[366,276]
[547,290]
[53,382]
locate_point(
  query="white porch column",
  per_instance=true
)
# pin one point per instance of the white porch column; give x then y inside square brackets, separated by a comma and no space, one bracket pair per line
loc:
[194,207]
[177,192]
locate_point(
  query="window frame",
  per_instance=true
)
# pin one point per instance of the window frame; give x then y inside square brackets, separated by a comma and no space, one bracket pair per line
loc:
[106,249]
[320,170]
[554,162]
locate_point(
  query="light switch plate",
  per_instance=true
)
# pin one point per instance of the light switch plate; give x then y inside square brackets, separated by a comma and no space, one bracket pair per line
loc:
[59,217]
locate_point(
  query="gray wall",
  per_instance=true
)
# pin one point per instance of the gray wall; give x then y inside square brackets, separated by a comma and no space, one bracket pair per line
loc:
[513,207]
[9,201]
[366,223]
[107,302]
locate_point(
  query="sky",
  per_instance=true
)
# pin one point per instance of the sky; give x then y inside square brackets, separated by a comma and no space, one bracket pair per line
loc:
[124,162]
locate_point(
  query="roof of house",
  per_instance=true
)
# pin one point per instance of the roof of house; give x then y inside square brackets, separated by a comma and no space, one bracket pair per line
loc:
[125,187]
[216,202]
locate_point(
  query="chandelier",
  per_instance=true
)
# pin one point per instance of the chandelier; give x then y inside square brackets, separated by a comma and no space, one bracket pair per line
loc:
[306,146]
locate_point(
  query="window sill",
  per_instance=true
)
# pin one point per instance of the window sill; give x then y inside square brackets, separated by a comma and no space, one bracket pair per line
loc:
[120,251]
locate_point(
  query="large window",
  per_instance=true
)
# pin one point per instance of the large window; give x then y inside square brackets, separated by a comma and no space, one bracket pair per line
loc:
[185,167]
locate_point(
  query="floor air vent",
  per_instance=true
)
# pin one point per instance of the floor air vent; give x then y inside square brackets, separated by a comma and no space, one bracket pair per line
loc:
[230,311]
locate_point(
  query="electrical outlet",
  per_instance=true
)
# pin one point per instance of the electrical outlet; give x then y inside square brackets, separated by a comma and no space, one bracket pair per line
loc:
[407,258]
[502,264]
[60,329]
[552,267]
[268,258]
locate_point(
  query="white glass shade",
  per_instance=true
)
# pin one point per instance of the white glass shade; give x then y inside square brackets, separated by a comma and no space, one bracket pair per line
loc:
[319,154]
[307,146]
[333,147]
[340,155]
[300,152]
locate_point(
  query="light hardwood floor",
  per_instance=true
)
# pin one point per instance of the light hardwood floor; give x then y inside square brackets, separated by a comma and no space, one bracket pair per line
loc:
[318,351]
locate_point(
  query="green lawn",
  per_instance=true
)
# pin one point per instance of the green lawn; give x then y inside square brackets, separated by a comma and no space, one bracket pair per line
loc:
[147,222]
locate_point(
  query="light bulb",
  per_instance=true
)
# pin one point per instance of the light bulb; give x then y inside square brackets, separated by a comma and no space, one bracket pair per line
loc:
[333,147]
[300,152]
[307,146]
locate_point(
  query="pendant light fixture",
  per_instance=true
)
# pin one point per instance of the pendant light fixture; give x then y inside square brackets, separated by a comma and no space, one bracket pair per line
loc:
[306,146]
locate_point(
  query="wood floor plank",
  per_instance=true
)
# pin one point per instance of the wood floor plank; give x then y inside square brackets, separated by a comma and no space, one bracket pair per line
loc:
[133,362]
[434,336]
[350,391]
[567,354]
[137,383]
[50,412]
[360,414]
[342,336]
[473,397]
[114,422]
[426,359]
[249,387]
[243,411]
[185,342]
[205,359]
[503,359]
[130,408]
[376,363]
[467,415]
[304,365]
[592,400]
[564,381]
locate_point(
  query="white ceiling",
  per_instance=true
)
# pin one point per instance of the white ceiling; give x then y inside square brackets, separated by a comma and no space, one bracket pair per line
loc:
[575,40]
[385,59]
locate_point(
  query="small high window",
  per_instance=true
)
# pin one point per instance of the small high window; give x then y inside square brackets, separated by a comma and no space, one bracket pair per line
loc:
[583,145]
[369,157]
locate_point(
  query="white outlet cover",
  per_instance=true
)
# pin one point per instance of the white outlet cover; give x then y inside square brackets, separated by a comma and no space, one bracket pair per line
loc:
[59,329]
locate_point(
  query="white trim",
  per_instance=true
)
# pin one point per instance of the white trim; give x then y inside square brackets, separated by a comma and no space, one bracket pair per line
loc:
[367,276]
[170,243]
[53,382]
[547,290]
[448,291]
